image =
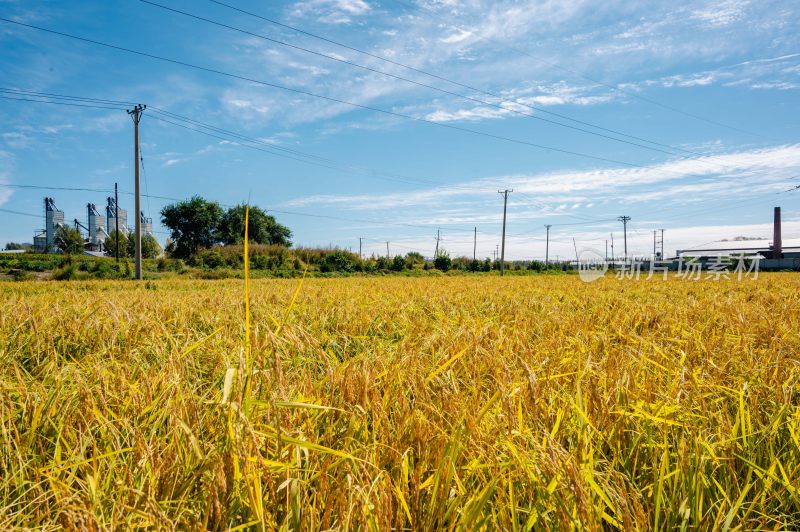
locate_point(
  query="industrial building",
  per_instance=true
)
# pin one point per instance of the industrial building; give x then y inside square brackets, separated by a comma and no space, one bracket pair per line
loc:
[95,231]
[112,211]
[730,248]
[43,240]
[775,253]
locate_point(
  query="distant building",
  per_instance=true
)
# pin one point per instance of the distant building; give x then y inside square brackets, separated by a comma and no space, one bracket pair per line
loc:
[111,217]
[727,248]
[97,229]
[775,249]
[44,240]
[147,225]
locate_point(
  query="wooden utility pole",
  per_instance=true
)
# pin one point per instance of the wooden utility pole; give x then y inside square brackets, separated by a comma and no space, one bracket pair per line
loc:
[116,217]
[359,247]
[625,220]
[387,250]
[547,248]
[136,114]
[503,247]
[654,244]
[574,245]
[475,246]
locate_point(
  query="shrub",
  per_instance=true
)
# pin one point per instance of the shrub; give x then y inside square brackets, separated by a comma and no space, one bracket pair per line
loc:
[442,262]
[67,273]
[339,261]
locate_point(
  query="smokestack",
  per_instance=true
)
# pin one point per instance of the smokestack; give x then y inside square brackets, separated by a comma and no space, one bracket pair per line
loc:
[777,245]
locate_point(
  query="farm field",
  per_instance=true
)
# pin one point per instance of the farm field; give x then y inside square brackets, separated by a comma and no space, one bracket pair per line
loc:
[519,403]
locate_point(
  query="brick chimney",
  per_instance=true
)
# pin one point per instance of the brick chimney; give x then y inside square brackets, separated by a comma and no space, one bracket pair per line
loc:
[777,245]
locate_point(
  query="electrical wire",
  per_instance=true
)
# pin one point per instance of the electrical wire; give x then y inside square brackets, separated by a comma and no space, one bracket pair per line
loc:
[432,75]
[444,91]
[61,103]
[593,80]
[9,211]
[64,96]
[327,98]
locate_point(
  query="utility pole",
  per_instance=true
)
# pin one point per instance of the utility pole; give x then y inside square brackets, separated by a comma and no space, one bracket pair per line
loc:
[661,243]
[574,245]
[387,249]
[436,253]
[612,248]
[503,248]
[606,250]
[625,220]
[136,114]
[359,247]
[116,218]
[654,243]
[475,246]
[547,247]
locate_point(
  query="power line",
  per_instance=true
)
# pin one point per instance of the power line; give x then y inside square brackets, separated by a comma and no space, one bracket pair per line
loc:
[435,76]
[61,103]
[323,97]
[64,96]
[607,85]
[80,189]
[372,173]
[444,91]
[270,148]
[20,213]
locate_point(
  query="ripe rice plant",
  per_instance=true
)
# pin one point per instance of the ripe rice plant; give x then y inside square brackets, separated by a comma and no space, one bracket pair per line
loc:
[522,403]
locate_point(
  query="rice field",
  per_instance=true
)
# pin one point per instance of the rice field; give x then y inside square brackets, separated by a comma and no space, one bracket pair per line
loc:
[467,403]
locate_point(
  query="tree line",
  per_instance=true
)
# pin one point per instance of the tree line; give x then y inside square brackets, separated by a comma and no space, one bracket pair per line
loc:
[197,224]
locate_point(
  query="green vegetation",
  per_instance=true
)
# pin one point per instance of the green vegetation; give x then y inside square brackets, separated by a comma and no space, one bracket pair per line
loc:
[221,262]
[199,224]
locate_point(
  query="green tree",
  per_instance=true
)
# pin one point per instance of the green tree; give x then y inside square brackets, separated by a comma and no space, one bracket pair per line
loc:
[442,261]
[339,261]
[111,244]
[15,246]
[398,263]
[262,228]
[193,224]
[68,240]
[150,247]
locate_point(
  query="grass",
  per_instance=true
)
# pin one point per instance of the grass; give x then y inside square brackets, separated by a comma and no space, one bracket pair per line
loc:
[408,403]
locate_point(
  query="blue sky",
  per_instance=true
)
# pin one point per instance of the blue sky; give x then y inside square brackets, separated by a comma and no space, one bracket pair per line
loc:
[710,87]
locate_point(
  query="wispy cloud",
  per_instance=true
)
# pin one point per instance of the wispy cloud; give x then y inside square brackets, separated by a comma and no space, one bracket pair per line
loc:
[780,73]
[478,42]
[6,166]
[330,11]
[688,181]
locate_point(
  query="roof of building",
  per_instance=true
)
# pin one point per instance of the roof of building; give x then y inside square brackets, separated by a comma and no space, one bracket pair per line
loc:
[726,247]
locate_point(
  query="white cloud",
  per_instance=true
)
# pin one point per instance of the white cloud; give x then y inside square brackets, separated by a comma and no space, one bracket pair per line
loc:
[457,37]
[684,181]
[473,114]
[6,166]
[16,140]
[330,11]
[721,14]
[764,73]
[501,46]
